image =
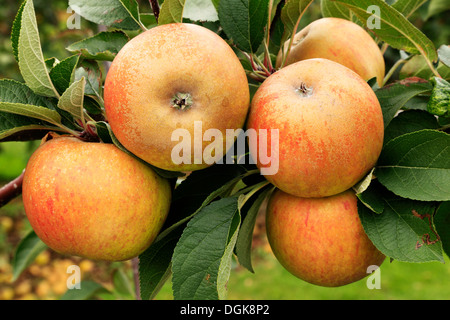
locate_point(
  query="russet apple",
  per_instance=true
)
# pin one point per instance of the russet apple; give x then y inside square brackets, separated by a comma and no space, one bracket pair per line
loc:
[93,200]
[330,127]
[320,240]
[167,78]
[339,40]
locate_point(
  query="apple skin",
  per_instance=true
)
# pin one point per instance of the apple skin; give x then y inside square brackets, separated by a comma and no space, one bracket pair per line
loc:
[93,200]
[329,138]
[156,65]
[339,40]
[320,240]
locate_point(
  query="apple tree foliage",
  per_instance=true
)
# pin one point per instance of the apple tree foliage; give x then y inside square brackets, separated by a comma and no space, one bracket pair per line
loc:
[403,203]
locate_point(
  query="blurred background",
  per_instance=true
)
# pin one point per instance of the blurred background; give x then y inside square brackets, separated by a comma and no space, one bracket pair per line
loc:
[47,276]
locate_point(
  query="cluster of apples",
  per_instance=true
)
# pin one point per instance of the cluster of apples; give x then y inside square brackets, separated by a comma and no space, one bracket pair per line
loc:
[331,135]
[96,201]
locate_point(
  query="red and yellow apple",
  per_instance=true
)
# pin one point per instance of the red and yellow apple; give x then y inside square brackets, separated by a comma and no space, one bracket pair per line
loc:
[330,127]
[339,40]
[93,200]
[165,79]
[320,240]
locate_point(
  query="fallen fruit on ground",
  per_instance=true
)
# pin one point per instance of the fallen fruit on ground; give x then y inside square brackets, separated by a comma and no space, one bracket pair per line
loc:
[320,240]
[330,127]
[339,40]
[165,79]
[93,200]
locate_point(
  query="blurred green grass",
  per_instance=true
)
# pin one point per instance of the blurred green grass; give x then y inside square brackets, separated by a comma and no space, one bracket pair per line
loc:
[14,157]
[399,281]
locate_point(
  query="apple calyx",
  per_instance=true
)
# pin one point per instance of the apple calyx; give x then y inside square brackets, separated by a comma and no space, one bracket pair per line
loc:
[182,101]
[304,90]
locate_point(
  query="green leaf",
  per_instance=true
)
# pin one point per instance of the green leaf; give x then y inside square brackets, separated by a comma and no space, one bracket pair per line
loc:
[364,183]
[15,92]
[90,70]
[171,12]
[436,7]
[103,46]
[186,215]
[243,21]
[72,99]
[444,54]
[408,7]
[155,264]
[122,284]
[148,19]
[63,73]
[132,7]
[103,131]
[200,10]
[29,110]
[198,190]
[216,4]
[87,290]
[31,59]
[18,92]
[27,250]
[394,96]
[336,10]
[418,67]
[442,223]
[395,29]
[372,197]
[194,193]
[111,13]
[223,274]
[245,237]
[439,103]
[417,165]
[51,62]
[292,12]
[276,29]
[15,31]
[199,251]
[409,121]
[398,233]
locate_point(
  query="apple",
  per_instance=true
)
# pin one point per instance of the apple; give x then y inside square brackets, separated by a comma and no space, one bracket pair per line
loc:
[93,200]
[166,78]
[339,40]
[330,127]
[320,240]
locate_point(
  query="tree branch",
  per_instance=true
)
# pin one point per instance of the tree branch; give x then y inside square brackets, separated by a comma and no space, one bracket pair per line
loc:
[28,135]
[11,190]
[135,266]
[155,8]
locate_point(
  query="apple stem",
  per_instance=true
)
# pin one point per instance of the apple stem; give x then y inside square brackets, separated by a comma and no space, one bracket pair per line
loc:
[135,267]
[304,91]
[260,71]
[88,135]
